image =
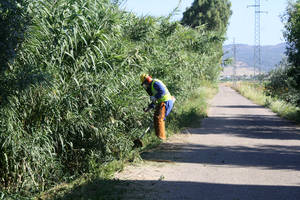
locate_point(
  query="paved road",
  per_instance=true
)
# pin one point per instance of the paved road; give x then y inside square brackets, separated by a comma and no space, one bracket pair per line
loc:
[241,152]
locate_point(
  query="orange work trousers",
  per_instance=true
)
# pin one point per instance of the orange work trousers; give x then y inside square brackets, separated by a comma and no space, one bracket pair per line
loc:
[159,123]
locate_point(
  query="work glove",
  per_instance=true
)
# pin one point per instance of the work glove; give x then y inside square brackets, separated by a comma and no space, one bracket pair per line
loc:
[152,99]
[146,109]
[150,107]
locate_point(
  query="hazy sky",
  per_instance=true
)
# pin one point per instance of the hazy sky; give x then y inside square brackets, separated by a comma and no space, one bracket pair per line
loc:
[241,23]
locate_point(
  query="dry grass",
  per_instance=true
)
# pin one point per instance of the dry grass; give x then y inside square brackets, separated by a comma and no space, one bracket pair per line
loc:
[255,92]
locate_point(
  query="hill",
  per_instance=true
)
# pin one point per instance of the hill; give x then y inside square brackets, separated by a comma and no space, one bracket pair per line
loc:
[271,55]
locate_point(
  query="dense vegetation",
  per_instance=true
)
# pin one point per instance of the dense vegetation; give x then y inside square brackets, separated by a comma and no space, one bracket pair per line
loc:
[285,80]
[13,20]
[71,100]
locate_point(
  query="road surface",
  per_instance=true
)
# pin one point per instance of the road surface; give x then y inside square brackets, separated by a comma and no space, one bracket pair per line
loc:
[241,152]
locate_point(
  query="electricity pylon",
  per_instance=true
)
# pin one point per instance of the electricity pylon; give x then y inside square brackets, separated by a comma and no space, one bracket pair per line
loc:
[257,46]
[234,63]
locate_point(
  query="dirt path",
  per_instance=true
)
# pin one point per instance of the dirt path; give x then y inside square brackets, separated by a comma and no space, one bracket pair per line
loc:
[242,152]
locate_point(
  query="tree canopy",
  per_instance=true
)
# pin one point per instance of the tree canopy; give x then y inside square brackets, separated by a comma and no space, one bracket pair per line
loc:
[284,82]
[292,36]
[214,14]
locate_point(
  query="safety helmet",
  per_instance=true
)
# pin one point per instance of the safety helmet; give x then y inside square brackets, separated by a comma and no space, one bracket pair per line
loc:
[145,77]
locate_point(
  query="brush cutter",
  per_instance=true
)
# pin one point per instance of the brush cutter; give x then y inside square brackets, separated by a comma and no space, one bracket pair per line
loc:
[138,142]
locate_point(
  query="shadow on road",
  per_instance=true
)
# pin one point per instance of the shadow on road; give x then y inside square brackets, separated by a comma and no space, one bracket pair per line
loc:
[159,189]
[268,156]
[247,126]
[250,126]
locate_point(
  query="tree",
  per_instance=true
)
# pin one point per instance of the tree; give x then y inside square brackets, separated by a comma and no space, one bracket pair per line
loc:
[214,14]
[292,36]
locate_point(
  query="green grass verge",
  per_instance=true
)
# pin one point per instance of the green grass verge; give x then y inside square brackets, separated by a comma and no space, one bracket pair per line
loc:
[255,92]
[191,113]
[101,185]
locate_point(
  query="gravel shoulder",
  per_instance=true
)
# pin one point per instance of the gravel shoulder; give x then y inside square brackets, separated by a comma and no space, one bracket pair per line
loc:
[241,152]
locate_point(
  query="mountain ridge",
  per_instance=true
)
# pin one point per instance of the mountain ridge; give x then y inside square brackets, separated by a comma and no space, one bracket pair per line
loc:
[271,55]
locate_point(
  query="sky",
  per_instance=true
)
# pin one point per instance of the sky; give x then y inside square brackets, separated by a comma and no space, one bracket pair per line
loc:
[241,26]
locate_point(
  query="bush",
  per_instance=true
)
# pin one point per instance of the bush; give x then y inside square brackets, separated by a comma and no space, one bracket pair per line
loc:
[282,86]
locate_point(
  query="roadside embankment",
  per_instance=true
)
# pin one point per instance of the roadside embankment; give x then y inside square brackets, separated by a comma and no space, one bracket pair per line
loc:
[255,91]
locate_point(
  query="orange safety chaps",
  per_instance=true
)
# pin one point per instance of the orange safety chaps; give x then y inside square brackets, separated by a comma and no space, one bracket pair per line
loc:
[159,123]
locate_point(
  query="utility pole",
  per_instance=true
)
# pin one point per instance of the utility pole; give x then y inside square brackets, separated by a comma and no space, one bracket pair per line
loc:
[257,46]
[234,63]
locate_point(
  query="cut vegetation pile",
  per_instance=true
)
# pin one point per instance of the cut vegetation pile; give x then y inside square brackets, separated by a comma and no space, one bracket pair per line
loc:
[71,100]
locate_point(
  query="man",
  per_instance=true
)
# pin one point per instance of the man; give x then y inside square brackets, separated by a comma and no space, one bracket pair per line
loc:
[161,99]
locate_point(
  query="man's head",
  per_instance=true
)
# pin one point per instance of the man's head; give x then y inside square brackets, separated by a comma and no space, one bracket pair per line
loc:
[145,80]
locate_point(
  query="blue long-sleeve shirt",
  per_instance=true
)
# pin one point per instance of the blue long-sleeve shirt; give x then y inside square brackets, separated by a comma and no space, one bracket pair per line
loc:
[160,89]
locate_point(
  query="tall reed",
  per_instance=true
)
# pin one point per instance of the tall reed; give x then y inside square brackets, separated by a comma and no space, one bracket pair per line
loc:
[72,95]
